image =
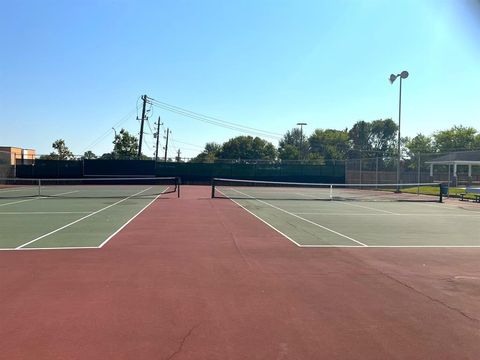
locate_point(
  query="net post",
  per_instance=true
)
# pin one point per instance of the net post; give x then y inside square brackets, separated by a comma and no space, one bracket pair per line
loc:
[440,199]
[39,186]
[213,188]
[331,191]
[178,183]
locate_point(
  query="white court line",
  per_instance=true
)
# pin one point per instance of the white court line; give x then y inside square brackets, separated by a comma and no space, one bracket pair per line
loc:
[356,205]
[397,246]
[368,207]
[259,218]
[37,198]
[370,214]
[131,219]
[19,189]
[43,212]
[440,206]
[18,201]
[82,218]
[301,218]
[51,248]
[305,246]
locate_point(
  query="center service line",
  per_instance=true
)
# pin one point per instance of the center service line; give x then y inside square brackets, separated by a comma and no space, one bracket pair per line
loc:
[78,220]
[301,218]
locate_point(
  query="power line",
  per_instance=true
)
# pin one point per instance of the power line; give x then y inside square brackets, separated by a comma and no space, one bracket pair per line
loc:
[149,126]
[150,114]
[186,143]
[145,142]
[109,131]
[215,121]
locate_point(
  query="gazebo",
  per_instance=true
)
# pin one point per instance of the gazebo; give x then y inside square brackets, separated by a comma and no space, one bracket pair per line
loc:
[455,159]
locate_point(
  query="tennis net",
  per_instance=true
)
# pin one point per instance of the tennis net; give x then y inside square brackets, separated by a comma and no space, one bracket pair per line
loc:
[89,188]
[271,190]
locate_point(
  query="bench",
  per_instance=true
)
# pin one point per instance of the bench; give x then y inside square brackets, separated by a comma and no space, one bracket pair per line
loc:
[473,191]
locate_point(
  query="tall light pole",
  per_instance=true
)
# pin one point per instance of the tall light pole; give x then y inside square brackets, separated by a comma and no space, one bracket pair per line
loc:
[393,77]
[301,124]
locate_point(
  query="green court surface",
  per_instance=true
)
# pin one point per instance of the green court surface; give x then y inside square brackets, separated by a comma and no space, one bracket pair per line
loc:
[368,223]
[63,222]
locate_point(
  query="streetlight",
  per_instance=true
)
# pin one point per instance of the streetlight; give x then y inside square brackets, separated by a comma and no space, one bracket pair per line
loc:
[301,124]
[402,75]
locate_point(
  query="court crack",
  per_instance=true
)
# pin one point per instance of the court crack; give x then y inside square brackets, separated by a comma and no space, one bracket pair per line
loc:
[182,342]
[234,240]
[465,315]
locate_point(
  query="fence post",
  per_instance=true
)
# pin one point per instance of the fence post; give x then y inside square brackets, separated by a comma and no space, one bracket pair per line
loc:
[419,164]
[347,181]
[419,180]
[449,169]
[360,169]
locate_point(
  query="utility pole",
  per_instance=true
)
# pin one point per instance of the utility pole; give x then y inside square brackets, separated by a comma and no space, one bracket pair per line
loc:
[166,145]
[178,156]
[144,98]
[157,135]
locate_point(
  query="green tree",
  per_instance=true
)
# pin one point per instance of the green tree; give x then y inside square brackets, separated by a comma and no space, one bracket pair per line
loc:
[359,136]
[89,155]
[61,152]
[248,147]
[329,143]
[125,146]
[373,139]
[415,147]
[288,152]
[383,137]
[457,138]
[209,154]
[420,144]
[291,140]
[107,156]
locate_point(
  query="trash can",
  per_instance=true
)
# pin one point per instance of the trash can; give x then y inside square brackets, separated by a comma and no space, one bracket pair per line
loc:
[443,190]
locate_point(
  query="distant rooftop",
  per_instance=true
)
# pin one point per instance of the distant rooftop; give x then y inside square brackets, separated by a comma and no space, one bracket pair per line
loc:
[472,157]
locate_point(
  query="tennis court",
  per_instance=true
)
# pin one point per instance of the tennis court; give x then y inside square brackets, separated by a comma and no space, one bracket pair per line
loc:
[73,213]
[203,278]
[363,216]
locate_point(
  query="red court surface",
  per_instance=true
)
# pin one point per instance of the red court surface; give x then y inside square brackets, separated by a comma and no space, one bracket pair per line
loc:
[196,278]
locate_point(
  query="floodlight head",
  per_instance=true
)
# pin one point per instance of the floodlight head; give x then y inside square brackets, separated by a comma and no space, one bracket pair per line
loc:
[392,78]
[404,74]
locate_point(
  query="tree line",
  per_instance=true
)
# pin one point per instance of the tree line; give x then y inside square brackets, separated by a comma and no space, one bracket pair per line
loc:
[125,146]
[374,139]
[365,139]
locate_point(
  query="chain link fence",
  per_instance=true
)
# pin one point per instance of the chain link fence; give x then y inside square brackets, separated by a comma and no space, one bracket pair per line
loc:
[7,166]
[419,168]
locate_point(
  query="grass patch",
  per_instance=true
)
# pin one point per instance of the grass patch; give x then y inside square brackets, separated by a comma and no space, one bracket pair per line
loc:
[434,190]
[422,190]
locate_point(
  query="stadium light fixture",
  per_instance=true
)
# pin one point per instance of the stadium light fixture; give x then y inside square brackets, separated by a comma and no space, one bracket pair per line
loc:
[403,75]
[301,124]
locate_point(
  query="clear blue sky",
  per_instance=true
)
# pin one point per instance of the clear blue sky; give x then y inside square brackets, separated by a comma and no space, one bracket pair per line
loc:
[74,69]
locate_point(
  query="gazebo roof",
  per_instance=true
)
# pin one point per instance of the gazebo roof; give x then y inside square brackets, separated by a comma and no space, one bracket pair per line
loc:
[458,158]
